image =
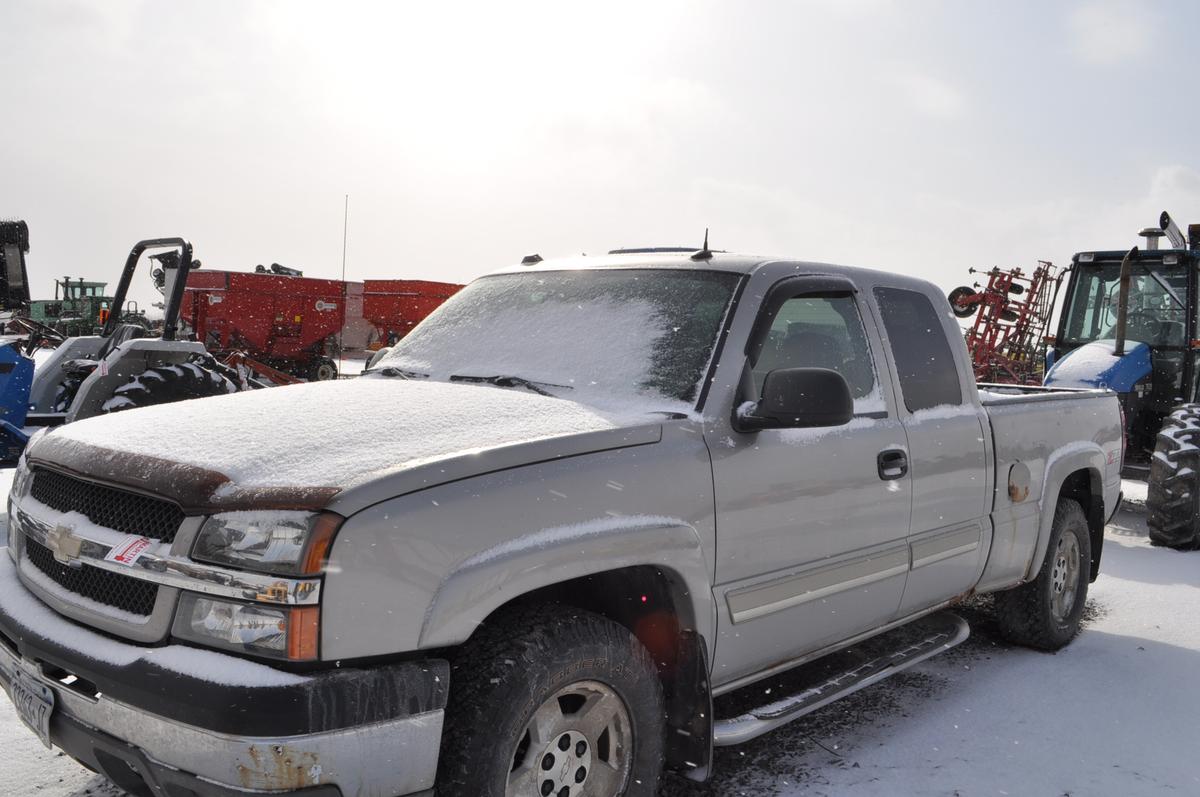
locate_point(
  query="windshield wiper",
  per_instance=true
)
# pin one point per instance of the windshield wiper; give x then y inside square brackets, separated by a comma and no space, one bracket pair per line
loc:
[397,372]
[511,381]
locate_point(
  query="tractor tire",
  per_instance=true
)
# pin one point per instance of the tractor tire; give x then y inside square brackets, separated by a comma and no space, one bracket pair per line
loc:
[553,700]
[959,304]
[1044,613]
[1173,498]
[322,369]
[166,384]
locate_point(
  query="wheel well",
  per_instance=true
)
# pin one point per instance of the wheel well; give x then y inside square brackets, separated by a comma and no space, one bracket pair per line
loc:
[651,602]
[1084,486]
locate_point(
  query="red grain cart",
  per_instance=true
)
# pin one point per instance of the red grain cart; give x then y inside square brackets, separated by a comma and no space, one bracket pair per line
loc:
[298,324]
[291,323]
[394,307]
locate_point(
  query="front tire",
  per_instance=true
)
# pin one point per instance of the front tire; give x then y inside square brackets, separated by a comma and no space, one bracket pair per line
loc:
[166,384]
[1173,497]
[552,701]
[1045,613]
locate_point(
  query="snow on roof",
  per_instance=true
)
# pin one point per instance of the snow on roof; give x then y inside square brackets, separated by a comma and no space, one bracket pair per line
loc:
[335,433]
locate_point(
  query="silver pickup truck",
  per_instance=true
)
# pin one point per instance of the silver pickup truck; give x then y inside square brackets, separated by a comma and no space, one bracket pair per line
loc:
[525,552]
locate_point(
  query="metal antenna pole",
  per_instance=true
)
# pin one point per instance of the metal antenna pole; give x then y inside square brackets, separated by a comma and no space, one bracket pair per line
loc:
[345,315]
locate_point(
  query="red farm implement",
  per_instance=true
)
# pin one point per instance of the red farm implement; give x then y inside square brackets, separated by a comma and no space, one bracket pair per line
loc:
[1007,339]
[394,307]
[299,325]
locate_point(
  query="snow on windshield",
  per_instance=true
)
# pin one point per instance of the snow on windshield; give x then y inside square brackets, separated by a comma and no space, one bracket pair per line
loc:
[563,335]
[593,336]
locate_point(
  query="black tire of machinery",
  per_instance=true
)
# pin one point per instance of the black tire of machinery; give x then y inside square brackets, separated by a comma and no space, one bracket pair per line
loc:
[1173,495]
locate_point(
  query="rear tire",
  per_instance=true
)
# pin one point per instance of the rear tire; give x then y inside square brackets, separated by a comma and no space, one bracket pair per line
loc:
[552,701]
[1173,497]
[166,384]
[1044,613]
[322,369]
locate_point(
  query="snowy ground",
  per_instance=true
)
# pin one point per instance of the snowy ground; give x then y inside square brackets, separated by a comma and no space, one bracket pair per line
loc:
[1113,714]
[1134,494]
[353,364]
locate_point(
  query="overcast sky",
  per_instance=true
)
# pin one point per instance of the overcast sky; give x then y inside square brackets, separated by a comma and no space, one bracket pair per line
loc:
[921,137]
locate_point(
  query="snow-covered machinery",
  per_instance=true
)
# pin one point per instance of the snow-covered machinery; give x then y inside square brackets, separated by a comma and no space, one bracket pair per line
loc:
[122,368]
[1012,314]
[1129,323]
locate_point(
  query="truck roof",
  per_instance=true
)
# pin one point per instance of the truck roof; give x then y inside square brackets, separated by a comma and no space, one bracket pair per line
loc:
[720,261]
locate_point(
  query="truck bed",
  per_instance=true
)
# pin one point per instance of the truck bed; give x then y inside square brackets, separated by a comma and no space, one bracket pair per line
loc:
[1040,438]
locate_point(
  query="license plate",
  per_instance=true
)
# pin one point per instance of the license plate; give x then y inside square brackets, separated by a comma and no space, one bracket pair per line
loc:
[34,703]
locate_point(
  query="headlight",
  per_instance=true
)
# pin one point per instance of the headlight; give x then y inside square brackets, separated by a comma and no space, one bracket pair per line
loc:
[276,632]
[285,542]
[22,481]
[21,484]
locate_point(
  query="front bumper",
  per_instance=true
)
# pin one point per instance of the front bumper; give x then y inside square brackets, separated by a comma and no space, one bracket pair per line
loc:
[157,729]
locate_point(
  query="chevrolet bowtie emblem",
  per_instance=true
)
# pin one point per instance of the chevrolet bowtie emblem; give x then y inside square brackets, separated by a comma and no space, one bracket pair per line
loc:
[64,545]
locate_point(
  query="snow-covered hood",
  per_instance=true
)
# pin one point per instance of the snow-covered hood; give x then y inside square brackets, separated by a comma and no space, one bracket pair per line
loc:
[314,439]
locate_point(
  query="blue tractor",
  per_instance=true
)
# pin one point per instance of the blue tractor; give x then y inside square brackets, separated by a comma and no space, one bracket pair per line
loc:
[1129,323]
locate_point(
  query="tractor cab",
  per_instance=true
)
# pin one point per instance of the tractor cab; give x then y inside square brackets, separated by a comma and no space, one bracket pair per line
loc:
[1128,323]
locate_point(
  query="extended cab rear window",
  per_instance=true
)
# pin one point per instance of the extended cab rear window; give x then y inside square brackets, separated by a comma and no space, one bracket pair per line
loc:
[924,362]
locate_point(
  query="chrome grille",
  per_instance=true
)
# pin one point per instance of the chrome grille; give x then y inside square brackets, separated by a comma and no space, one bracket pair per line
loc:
[131,595]
[107,506]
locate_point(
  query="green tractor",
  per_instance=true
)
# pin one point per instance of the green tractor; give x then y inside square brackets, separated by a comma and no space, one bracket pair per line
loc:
[1129,323]
[80,307]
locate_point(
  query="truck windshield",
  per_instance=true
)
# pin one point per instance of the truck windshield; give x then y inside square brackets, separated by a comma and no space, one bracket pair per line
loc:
[1157,304]
[607,337]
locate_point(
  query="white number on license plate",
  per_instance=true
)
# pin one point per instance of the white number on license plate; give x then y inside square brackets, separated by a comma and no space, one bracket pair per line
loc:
[35,704]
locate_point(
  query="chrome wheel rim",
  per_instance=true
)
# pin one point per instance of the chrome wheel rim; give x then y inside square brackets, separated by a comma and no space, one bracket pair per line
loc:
[579,743]
[1064,577]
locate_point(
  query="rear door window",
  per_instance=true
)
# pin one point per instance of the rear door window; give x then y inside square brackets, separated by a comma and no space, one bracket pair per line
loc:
[924,361]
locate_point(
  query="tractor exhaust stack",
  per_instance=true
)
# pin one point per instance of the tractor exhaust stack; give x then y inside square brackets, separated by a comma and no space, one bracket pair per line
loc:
[1123,296]
[1168,226]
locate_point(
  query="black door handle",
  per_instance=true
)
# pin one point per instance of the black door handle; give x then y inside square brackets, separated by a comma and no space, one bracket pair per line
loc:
[893,464]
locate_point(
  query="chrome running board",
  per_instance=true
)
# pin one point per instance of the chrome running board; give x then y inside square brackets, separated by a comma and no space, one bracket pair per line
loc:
[948,631]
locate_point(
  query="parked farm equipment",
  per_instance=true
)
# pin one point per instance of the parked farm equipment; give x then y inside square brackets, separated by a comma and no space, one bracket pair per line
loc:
[14,279]
[121,367]
[299,325]
[118,369]
[81,307]
[1012,315]
[1129,323]
[394,307]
